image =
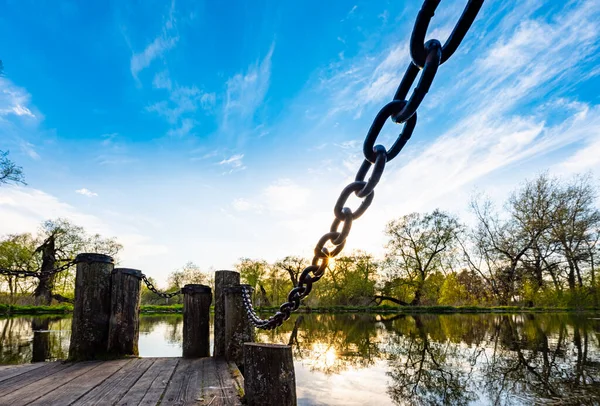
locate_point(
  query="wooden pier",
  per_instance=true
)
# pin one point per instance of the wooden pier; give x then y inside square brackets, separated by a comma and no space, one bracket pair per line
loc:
[126,382]
[106,326]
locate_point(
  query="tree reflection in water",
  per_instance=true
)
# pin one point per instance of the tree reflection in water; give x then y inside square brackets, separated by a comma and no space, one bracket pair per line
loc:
[544,358]
[457,359]
[28,339]
[453,359]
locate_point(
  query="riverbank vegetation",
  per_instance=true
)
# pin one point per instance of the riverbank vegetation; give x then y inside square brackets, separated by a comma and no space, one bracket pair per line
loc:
[538,251]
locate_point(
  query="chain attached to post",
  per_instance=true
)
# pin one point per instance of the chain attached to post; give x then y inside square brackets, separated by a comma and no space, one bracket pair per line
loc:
[37,274]
[425,57]
[151,287]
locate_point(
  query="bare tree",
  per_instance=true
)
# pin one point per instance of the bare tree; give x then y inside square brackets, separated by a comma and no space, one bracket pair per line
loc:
[574,222]
[9,171]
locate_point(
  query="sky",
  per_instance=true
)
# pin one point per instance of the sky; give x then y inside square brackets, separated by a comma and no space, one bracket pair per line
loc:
[210,131]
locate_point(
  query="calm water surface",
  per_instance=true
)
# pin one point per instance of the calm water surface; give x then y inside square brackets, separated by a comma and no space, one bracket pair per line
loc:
[393,359]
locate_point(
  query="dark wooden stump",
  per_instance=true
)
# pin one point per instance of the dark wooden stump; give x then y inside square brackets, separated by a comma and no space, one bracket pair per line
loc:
[196,321]
[91,310]
[41,339]
[269,378]
[222,279]
[124,324]
[238,329]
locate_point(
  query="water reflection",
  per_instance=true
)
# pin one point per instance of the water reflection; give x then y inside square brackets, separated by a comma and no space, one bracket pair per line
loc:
[394,359]
[455,359]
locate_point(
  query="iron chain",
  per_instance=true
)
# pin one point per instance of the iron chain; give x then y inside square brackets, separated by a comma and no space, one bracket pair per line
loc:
[37,274]
[426,58]
[151,287]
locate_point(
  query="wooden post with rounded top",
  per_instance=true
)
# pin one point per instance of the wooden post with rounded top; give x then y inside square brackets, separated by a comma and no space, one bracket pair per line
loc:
[196,320]
[91,309]
[238,329]
[124,324]
[269,377]
[222,279]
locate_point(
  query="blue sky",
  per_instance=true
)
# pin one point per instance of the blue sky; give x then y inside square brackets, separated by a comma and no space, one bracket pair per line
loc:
[210,131]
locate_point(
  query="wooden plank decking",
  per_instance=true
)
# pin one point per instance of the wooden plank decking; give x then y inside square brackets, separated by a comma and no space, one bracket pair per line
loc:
[136,381]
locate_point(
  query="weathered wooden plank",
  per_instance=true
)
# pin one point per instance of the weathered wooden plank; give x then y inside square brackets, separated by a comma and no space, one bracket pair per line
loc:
[141,381]
[113,388]
[151,384]
[8,371]
[183,388]
[35,390]
[229,387]
[214,391]
[78,387]
[158,387]
[19,381]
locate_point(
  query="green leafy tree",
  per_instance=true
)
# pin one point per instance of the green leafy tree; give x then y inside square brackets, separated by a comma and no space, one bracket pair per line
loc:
[253,272]
[16,253]
[420,245]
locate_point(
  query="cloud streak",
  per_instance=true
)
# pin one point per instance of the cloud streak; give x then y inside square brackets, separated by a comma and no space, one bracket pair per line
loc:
[158,47]
[86,192]
[245,92]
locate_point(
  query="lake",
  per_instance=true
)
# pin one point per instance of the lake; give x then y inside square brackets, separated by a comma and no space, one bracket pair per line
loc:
[359,359]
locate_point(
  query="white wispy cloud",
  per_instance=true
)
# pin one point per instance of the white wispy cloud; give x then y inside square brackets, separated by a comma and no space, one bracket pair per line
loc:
[182,100]
[162,80]
[29,149]
[161,44]
[183,130]
[155,49]
[234,160]
[245,92]
[14,100]
[233,164]
[86,192]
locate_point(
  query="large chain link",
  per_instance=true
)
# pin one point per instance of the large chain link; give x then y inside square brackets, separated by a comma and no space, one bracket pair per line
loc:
[37,274]
[426,57]
[151,287]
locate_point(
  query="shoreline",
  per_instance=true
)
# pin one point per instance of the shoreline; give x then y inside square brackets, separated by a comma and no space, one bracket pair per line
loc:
[10,310]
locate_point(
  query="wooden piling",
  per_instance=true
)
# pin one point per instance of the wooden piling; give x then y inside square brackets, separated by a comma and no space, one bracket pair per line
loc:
[91,308]
[222,279]
[124,324]
[238,329]
[196,321]
[269,378]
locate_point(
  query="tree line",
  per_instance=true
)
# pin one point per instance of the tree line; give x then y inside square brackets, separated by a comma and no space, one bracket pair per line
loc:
[539,249]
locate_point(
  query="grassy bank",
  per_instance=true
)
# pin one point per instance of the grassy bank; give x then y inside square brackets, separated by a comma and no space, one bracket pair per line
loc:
[16,309]
[431,309]
[178,308]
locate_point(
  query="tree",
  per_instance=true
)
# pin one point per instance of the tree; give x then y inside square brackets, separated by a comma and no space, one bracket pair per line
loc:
[16,253]
[9,171]
[62,241]
[500,245]
[419,245]
[575,221]
[252,273]
[293,266]
[190,273]
[350,280]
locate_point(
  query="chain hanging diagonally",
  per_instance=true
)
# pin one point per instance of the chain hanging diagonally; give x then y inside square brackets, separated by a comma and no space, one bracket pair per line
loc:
[37,274]
[152,288]
[426,57]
